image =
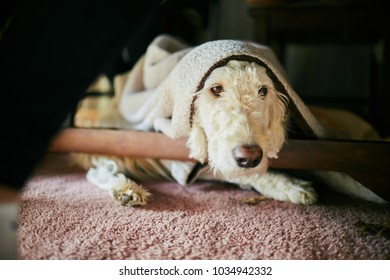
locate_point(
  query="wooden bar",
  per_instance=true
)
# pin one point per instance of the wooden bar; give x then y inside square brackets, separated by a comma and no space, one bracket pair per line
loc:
[367,162]
[137,144]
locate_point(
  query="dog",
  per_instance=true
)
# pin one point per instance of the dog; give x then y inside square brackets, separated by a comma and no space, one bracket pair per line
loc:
[238,124]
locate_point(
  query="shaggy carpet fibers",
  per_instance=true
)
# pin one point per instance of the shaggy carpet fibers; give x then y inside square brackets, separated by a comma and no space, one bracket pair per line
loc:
[65,217]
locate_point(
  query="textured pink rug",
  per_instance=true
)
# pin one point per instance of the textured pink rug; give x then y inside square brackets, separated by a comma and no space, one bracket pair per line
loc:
[65,217]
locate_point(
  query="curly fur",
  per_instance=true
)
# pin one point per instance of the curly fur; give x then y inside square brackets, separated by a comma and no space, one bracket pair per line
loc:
[239,116]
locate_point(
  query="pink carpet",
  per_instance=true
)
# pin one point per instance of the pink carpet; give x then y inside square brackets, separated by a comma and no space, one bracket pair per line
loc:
[65,217]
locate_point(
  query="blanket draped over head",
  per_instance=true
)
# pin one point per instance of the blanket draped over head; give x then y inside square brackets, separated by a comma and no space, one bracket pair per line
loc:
[166,80]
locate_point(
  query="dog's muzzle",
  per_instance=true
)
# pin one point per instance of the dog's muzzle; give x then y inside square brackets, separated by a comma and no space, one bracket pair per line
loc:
[247,156]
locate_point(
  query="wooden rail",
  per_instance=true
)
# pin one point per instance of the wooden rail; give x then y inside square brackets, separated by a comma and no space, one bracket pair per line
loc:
[367,162]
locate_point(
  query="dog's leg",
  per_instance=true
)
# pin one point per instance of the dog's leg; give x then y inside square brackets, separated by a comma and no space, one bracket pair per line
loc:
[197,143]
[127,192]
[273,185]
[123,190]
[280,187]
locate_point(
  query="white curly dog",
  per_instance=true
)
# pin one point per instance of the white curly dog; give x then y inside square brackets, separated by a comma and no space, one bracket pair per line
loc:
[238,124]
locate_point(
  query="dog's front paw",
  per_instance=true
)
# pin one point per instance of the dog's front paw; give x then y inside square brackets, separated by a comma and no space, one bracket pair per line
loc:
[127,192]
[301,192]
[281,187]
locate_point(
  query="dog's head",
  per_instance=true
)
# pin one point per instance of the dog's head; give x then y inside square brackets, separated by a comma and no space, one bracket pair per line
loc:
[238,119]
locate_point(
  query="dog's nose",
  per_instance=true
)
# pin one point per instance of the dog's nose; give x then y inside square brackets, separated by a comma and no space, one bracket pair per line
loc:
[247,156]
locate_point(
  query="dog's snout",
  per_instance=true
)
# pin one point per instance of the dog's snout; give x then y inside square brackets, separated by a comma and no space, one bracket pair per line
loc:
[247,156]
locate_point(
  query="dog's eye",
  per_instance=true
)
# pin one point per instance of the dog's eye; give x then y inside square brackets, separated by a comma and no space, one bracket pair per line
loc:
[217,89]
[263,91]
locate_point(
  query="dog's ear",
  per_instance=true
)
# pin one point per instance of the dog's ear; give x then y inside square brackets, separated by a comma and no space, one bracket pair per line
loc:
[276,125]
[197,139]
[197,142]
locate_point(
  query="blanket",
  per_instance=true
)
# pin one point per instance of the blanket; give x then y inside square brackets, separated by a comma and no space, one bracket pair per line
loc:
[172,77]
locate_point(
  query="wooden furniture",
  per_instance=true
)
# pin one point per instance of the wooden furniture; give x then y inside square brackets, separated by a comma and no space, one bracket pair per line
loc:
[367,162]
